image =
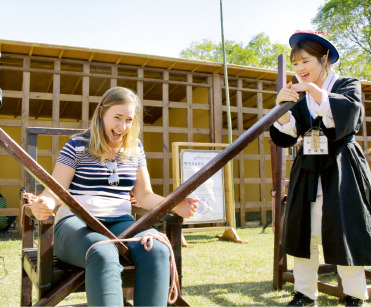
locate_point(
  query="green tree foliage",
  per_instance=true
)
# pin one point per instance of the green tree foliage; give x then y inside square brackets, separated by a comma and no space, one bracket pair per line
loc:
[259,52]
[348,23]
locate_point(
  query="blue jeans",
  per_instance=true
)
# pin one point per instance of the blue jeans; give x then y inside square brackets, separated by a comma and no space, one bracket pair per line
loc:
[72,238]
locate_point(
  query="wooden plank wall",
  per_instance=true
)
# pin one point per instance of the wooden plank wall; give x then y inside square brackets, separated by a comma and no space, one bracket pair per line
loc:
[93,78]
[53,74]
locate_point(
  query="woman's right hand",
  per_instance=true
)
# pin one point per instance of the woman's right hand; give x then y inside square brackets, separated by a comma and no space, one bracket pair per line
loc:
[287,94]
[42,207]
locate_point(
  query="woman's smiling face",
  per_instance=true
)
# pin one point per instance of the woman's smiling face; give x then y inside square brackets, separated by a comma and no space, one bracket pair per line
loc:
[117,121]
[308,68]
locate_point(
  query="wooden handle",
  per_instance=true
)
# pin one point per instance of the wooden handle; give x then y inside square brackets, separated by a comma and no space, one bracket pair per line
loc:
[174,198]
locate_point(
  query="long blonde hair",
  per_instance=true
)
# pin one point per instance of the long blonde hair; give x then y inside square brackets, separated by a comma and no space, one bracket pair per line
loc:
[98,141]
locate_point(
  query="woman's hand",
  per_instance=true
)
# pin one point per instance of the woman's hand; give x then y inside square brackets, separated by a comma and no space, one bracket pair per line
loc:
[288,93]
[187,207]
[42,207]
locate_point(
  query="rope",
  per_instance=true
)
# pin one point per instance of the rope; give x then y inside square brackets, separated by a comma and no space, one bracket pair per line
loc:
[148,238]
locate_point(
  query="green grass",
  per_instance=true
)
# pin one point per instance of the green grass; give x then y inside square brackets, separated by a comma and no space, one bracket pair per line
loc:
[215,272]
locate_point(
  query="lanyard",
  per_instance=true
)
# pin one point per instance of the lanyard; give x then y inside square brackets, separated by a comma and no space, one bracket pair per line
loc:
[309,100]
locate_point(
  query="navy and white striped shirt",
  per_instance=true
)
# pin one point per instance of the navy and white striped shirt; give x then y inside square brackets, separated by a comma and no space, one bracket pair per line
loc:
[90,184]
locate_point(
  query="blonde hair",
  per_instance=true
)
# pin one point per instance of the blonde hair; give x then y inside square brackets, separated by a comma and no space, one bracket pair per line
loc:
[98,140]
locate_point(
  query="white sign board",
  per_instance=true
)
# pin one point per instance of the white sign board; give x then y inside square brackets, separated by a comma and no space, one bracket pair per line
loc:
[211,208]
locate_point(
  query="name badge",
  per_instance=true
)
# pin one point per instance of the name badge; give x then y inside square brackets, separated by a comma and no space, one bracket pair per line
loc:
[315,143]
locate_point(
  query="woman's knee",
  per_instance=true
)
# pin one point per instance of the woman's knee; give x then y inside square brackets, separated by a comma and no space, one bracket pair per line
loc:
[159,253]
[105,253]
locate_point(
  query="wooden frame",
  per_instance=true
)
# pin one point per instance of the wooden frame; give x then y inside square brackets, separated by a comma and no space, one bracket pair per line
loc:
[230,233]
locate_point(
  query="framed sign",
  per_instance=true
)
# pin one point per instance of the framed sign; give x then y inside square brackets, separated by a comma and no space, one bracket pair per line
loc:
[211,208]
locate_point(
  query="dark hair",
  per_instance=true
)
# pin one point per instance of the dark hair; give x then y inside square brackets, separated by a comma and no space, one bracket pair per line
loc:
[312,47]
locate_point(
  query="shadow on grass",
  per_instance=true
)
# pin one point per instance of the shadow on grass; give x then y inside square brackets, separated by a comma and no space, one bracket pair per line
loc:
[249,294]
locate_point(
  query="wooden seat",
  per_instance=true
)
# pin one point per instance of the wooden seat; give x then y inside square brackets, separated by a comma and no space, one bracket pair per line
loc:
[53,279]
[281,274]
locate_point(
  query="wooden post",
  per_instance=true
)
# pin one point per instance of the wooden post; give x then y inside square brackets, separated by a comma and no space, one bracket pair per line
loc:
[189,100]
[218,113]
[165,136]
[241,160]
[263,209]
[56,110]
[278,178]
[85,96]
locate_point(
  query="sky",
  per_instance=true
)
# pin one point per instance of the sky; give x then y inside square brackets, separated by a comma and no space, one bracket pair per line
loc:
[152,27]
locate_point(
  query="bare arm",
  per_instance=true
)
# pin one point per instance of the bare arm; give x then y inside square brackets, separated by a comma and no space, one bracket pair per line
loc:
[44,206]
[148,199]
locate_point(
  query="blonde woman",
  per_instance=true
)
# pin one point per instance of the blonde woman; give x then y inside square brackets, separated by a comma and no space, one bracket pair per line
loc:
[100,168]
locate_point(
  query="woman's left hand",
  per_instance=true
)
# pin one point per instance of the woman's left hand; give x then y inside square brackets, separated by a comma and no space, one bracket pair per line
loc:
[187,207]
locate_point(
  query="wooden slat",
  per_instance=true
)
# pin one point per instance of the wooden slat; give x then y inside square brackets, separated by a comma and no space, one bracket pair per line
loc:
[217,106]
[25,107]
[140,93]
[263,210]
[9,212]
[189,100]
[9,182]
[85,96]
[56,110]
[114,74]
[165,136]
[241,160]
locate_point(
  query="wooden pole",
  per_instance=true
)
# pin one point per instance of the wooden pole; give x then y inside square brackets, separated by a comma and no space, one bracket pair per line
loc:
[174,198]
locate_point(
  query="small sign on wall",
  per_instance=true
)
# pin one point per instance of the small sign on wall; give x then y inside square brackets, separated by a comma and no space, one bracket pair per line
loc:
[211,208]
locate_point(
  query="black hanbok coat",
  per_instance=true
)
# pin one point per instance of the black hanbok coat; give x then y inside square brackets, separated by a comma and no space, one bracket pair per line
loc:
[345,177]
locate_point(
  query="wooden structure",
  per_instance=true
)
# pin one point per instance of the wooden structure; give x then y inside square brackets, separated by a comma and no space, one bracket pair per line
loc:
[59,86]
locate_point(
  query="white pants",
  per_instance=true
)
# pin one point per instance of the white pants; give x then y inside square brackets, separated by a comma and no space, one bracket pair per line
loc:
[306,270]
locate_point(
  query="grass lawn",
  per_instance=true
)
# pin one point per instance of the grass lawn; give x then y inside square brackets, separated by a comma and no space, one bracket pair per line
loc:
[215,272]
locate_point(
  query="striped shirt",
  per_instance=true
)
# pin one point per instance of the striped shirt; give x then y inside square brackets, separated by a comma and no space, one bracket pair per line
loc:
[90,184]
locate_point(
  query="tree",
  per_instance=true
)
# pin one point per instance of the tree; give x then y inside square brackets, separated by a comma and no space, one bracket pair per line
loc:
[348,23]
[259,52]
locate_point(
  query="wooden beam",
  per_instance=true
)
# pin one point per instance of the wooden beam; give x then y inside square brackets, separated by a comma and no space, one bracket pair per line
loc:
[85,97]
[9,212]
[56,110]
[165,136]
[174,198]
[189,101]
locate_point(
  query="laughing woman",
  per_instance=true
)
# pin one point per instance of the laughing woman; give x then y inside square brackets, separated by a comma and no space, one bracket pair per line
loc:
[330,179]
[100,168]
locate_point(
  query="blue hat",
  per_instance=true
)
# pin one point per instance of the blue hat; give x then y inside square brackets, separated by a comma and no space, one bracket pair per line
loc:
[317,37]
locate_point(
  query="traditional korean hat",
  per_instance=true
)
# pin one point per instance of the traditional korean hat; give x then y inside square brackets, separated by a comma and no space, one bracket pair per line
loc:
[316,36]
